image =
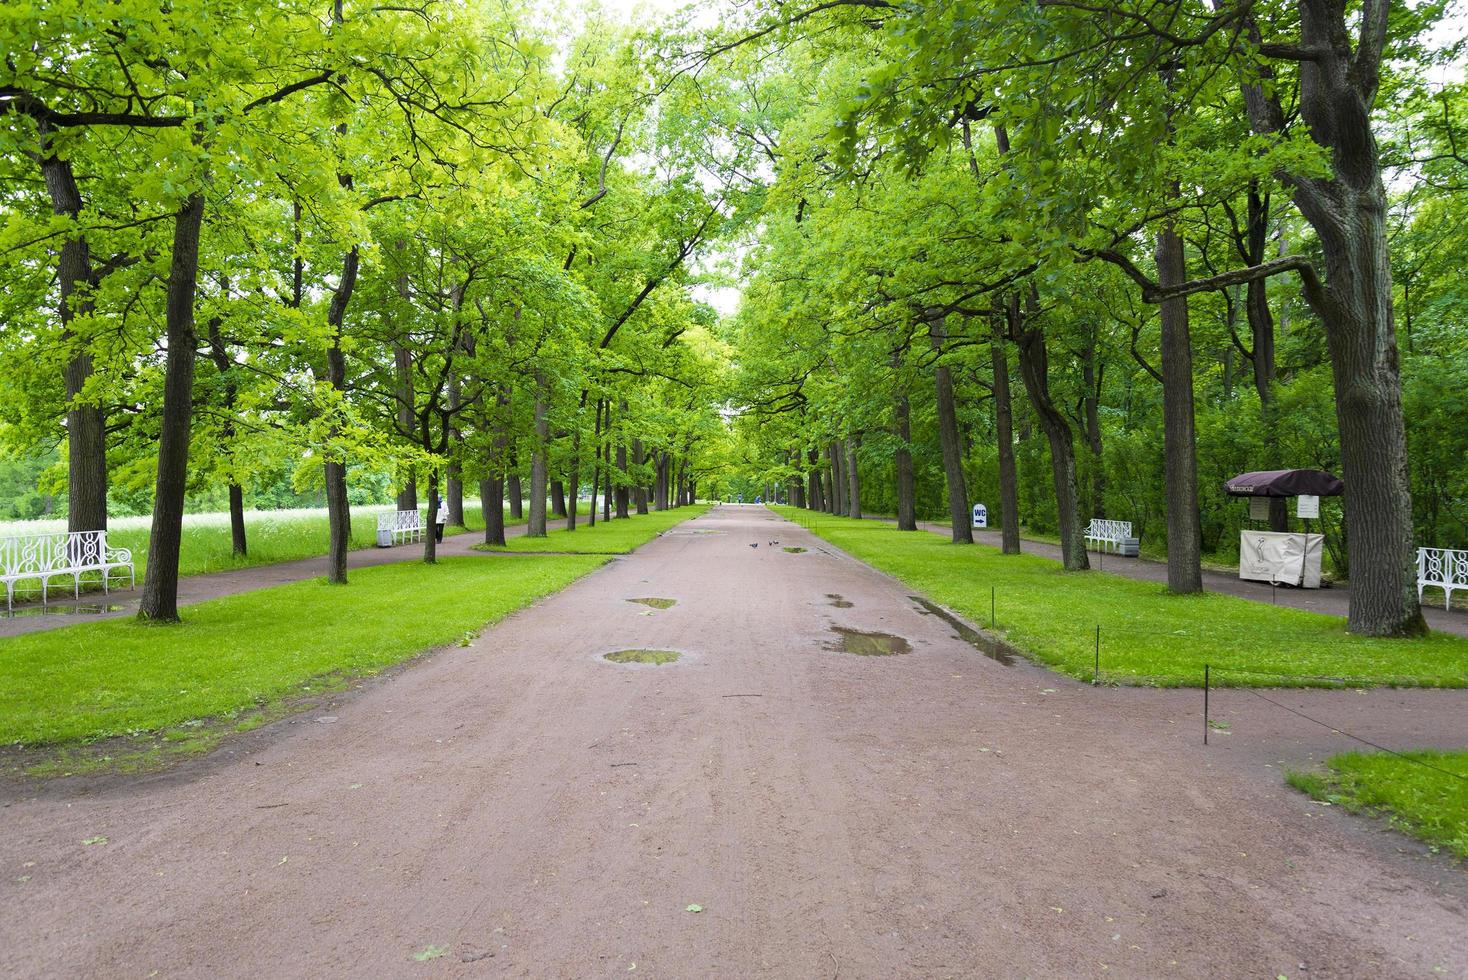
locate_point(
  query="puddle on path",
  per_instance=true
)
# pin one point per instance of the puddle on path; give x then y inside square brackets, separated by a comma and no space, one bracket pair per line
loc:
[96,609]
[838,601]
[869,644]
[794,551]
[642,656]
[994,649]
[657,602]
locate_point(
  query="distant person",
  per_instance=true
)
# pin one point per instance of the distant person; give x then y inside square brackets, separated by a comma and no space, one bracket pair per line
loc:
[440,521]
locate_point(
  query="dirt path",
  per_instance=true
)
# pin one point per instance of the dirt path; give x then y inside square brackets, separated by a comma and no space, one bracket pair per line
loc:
[1333,601]
[33,618]
[524,808]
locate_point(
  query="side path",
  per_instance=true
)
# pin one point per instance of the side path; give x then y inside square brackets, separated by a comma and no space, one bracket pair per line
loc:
[215,585]
[1333,601]
[767,806]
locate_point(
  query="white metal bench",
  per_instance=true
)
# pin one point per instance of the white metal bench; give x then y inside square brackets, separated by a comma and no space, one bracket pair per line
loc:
[397,526]
[1115,536]
[1443,568]
[46,556]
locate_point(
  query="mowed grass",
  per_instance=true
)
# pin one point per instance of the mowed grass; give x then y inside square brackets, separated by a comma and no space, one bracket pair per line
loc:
[615,537]
[1148,636]
[1425,802]
[270,539]
[121,677]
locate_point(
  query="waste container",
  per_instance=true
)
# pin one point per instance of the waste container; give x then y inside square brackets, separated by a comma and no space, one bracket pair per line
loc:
[384,537]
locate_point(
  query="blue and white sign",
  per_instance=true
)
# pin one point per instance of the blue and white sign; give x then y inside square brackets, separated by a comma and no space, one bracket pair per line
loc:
[981,515]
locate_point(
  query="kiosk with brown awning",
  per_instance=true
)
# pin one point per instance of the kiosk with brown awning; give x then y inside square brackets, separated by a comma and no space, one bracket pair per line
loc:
[1277,557]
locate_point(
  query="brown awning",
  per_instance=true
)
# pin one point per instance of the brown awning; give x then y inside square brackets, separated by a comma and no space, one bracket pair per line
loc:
[1284,483]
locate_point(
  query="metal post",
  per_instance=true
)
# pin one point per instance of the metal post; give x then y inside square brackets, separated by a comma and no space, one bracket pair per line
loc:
[1205,704]
[1096,676]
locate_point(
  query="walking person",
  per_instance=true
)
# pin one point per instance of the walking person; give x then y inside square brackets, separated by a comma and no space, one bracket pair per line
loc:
[440,520]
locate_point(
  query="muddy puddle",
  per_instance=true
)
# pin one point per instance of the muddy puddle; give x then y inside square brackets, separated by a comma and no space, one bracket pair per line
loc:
[656,602]
[92,609]
[868,644]
[654,657]
[990,647]
[838,601]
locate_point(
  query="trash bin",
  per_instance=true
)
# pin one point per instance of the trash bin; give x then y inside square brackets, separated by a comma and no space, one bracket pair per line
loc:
[1131,547]
[384,537]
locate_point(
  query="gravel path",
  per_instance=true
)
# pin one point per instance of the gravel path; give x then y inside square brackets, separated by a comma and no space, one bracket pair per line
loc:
[33,617]
[521,807]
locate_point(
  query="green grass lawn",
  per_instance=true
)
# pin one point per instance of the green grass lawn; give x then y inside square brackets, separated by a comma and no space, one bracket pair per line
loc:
[121,677]
[615,537]
[1147,635]
[1423,802]
[271,540]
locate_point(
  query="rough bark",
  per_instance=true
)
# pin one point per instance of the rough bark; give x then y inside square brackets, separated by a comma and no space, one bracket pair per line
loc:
[1179,441]
[491,505]
[853,481]
[239,546]
[558,498]
[159,602]
[1004,433]
[1348,210]
[639,492]
[1034,369]
[338,513]
[816,496]
[86,442]
[535,525]
[960,518]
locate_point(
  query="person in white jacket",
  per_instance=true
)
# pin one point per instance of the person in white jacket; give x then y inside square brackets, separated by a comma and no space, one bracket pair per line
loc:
[440,520]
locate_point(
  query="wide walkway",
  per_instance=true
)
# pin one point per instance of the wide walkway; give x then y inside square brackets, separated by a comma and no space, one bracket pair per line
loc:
[33,617]
[766,806]
[1333,601]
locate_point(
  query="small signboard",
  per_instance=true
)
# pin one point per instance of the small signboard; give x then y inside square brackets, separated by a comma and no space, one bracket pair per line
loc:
[981,515]
[1307,506]
[1258,508]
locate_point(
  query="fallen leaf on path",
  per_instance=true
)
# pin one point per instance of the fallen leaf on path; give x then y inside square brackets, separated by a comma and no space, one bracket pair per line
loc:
[694,908]
[95,840]
[430,952]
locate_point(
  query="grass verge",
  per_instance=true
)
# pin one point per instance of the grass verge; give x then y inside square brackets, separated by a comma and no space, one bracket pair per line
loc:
[615,537]
[1148,636]
[101,680]
[1427,803]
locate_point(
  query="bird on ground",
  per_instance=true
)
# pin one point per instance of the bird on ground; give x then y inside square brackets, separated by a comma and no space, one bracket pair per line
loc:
[754,544]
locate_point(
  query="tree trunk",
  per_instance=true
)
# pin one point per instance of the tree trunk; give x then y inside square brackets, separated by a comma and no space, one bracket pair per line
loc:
[516,493]
[595,465]
[816,499]
[538,463]
[403,372]
[456,445]
[575,475]
[1091,378]
[1004,431]
[222,364]
[338,513]
[558,498]
[159,601]
[1347,209]
[906,480]
[853,482]
[639,493]
[958,511]
[430,540]
[622,495]
[86,436]
[491,504]
[1180,454]
[1034,369]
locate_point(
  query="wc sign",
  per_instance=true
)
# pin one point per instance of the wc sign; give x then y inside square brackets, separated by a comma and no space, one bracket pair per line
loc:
[981,515]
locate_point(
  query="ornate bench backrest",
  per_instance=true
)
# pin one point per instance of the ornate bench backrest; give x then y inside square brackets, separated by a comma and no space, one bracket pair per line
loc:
[30,554]
[1442,566]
